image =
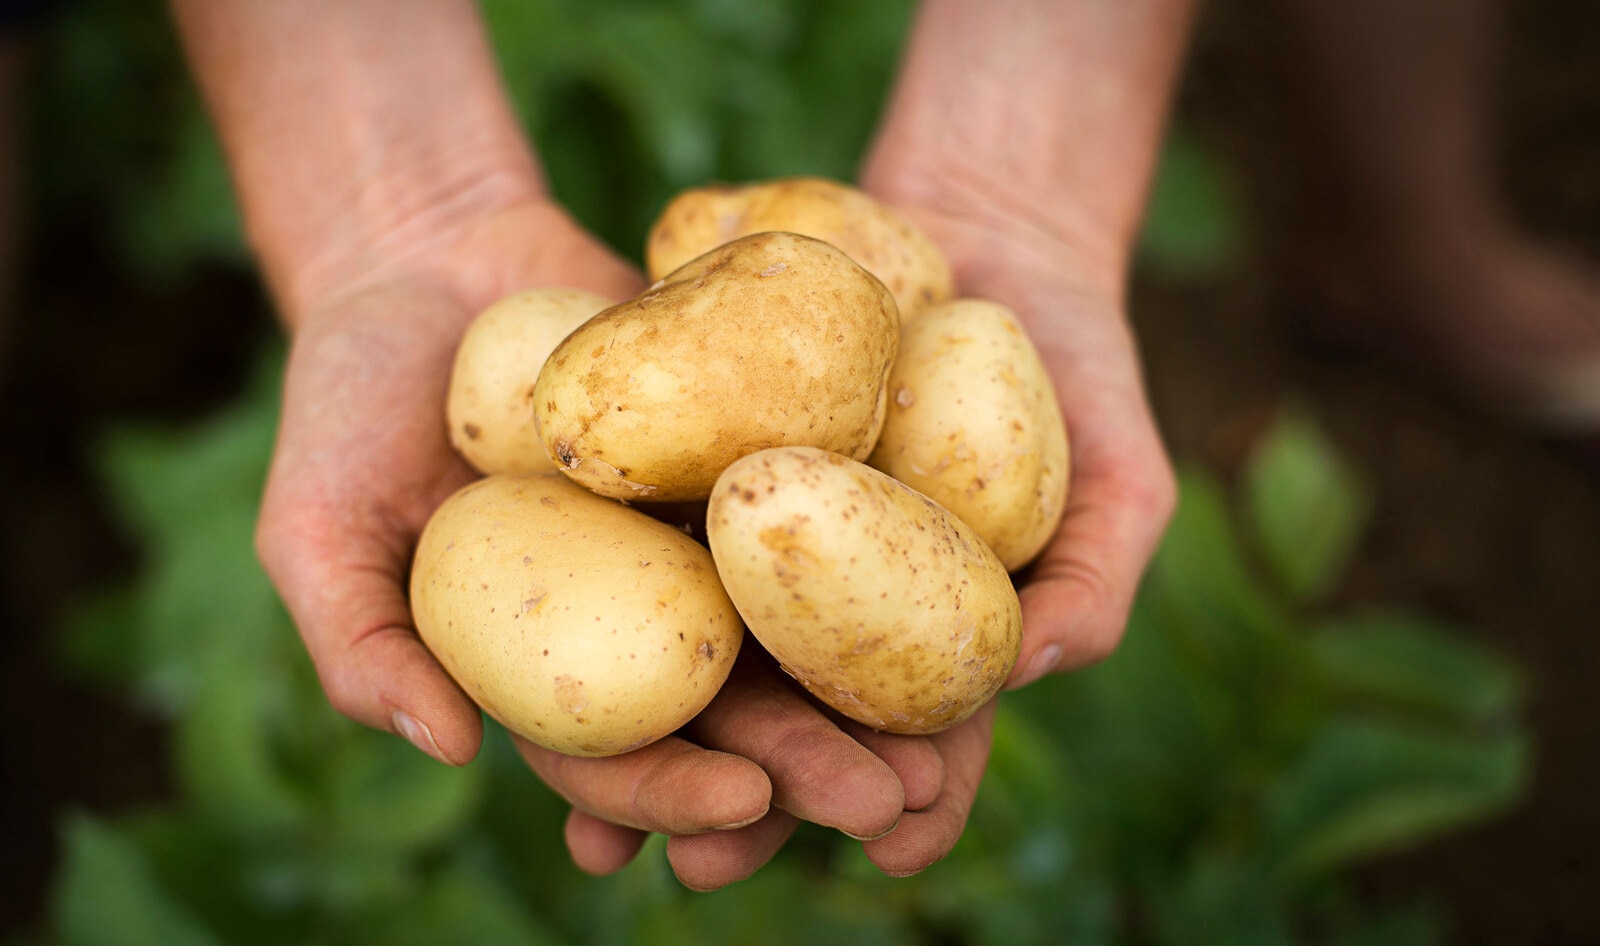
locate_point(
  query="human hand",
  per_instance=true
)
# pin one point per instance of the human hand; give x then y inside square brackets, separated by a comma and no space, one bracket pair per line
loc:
[361,462]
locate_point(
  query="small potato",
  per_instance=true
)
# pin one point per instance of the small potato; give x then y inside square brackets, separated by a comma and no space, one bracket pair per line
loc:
[973,424]
[885,244]
[877,600]
[578,623]
[489,406]
[772,339]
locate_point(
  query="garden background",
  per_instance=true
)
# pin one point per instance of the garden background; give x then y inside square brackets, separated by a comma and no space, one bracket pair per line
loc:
[1355,704]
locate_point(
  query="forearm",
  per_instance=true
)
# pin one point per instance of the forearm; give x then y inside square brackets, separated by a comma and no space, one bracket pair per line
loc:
[362,136]
[1040,114]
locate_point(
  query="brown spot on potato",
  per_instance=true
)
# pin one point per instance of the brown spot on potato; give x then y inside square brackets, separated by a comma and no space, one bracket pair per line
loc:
[569,695]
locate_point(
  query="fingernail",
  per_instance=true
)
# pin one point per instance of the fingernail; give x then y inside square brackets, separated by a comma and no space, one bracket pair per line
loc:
[1042,663]
[732,825]
[407,725]
[873,837]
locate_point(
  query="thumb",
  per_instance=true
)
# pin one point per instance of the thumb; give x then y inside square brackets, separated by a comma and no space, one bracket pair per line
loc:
[1077,596]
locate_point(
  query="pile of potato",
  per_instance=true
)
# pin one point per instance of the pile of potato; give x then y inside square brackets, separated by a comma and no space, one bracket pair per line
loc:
[869,458]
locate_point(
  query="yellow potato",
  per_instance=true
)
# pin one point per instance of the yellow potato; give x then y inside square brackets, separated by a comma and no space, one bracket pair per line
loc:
[883,242]
[583,625]
[489,406]
[973,424]
[772,339]
[877,600]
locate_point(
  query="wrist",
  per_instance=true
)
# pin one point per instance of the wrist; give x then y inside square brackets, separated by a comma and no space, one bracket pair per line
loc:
[391,227]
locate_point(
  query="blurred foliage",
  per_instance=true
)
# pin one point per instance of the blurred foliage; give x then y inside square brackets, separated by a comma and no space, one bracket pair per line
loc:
[1214,781]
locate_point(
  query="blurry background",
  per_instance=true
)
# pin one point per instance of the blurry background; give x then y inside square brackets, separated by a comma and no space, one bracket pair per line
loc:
[1354,706]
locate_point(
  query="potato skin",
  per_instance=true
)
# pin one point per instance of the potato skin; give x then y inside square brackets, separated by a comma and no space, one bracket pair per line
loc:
[489,407]
[884,243]
[578,623]
[877,600]
[772,339]
[974,425]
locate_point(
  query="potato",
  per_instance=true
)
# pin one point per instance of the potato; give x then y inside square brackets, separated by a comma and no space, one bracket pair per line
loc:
[772,339]
[973,424]
[877,600]
[578,623]
[901,256]
[489,407]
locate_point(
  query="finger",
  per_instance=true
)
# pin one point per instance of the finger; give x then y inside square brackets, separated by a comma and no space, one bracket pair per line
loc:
[914,760]
[818,772]
[346,598]
[709,861]
[670,786]
[599,847]
[1076,599]
[923,837]
[1077,596]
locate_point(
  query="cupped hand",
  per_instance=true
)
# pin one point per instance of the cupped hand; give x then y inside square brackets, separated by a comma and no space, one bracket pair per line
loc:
[362,460]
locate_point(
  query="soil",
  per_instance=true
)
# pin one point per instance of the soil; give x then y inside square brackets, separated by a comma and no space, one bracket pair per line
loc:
[1475,520]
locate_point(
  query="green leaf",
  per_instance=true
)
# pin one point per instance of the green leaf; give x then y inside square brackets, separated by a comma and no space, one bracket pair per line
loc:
[1202,591]
[1307,506]
[99,637]
[162,481]
[1219,898]
[190,215]
[463,905]
[386,794]
[1191,227]
[108,894]
[1411,662]
[1365,787]
[224,752]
